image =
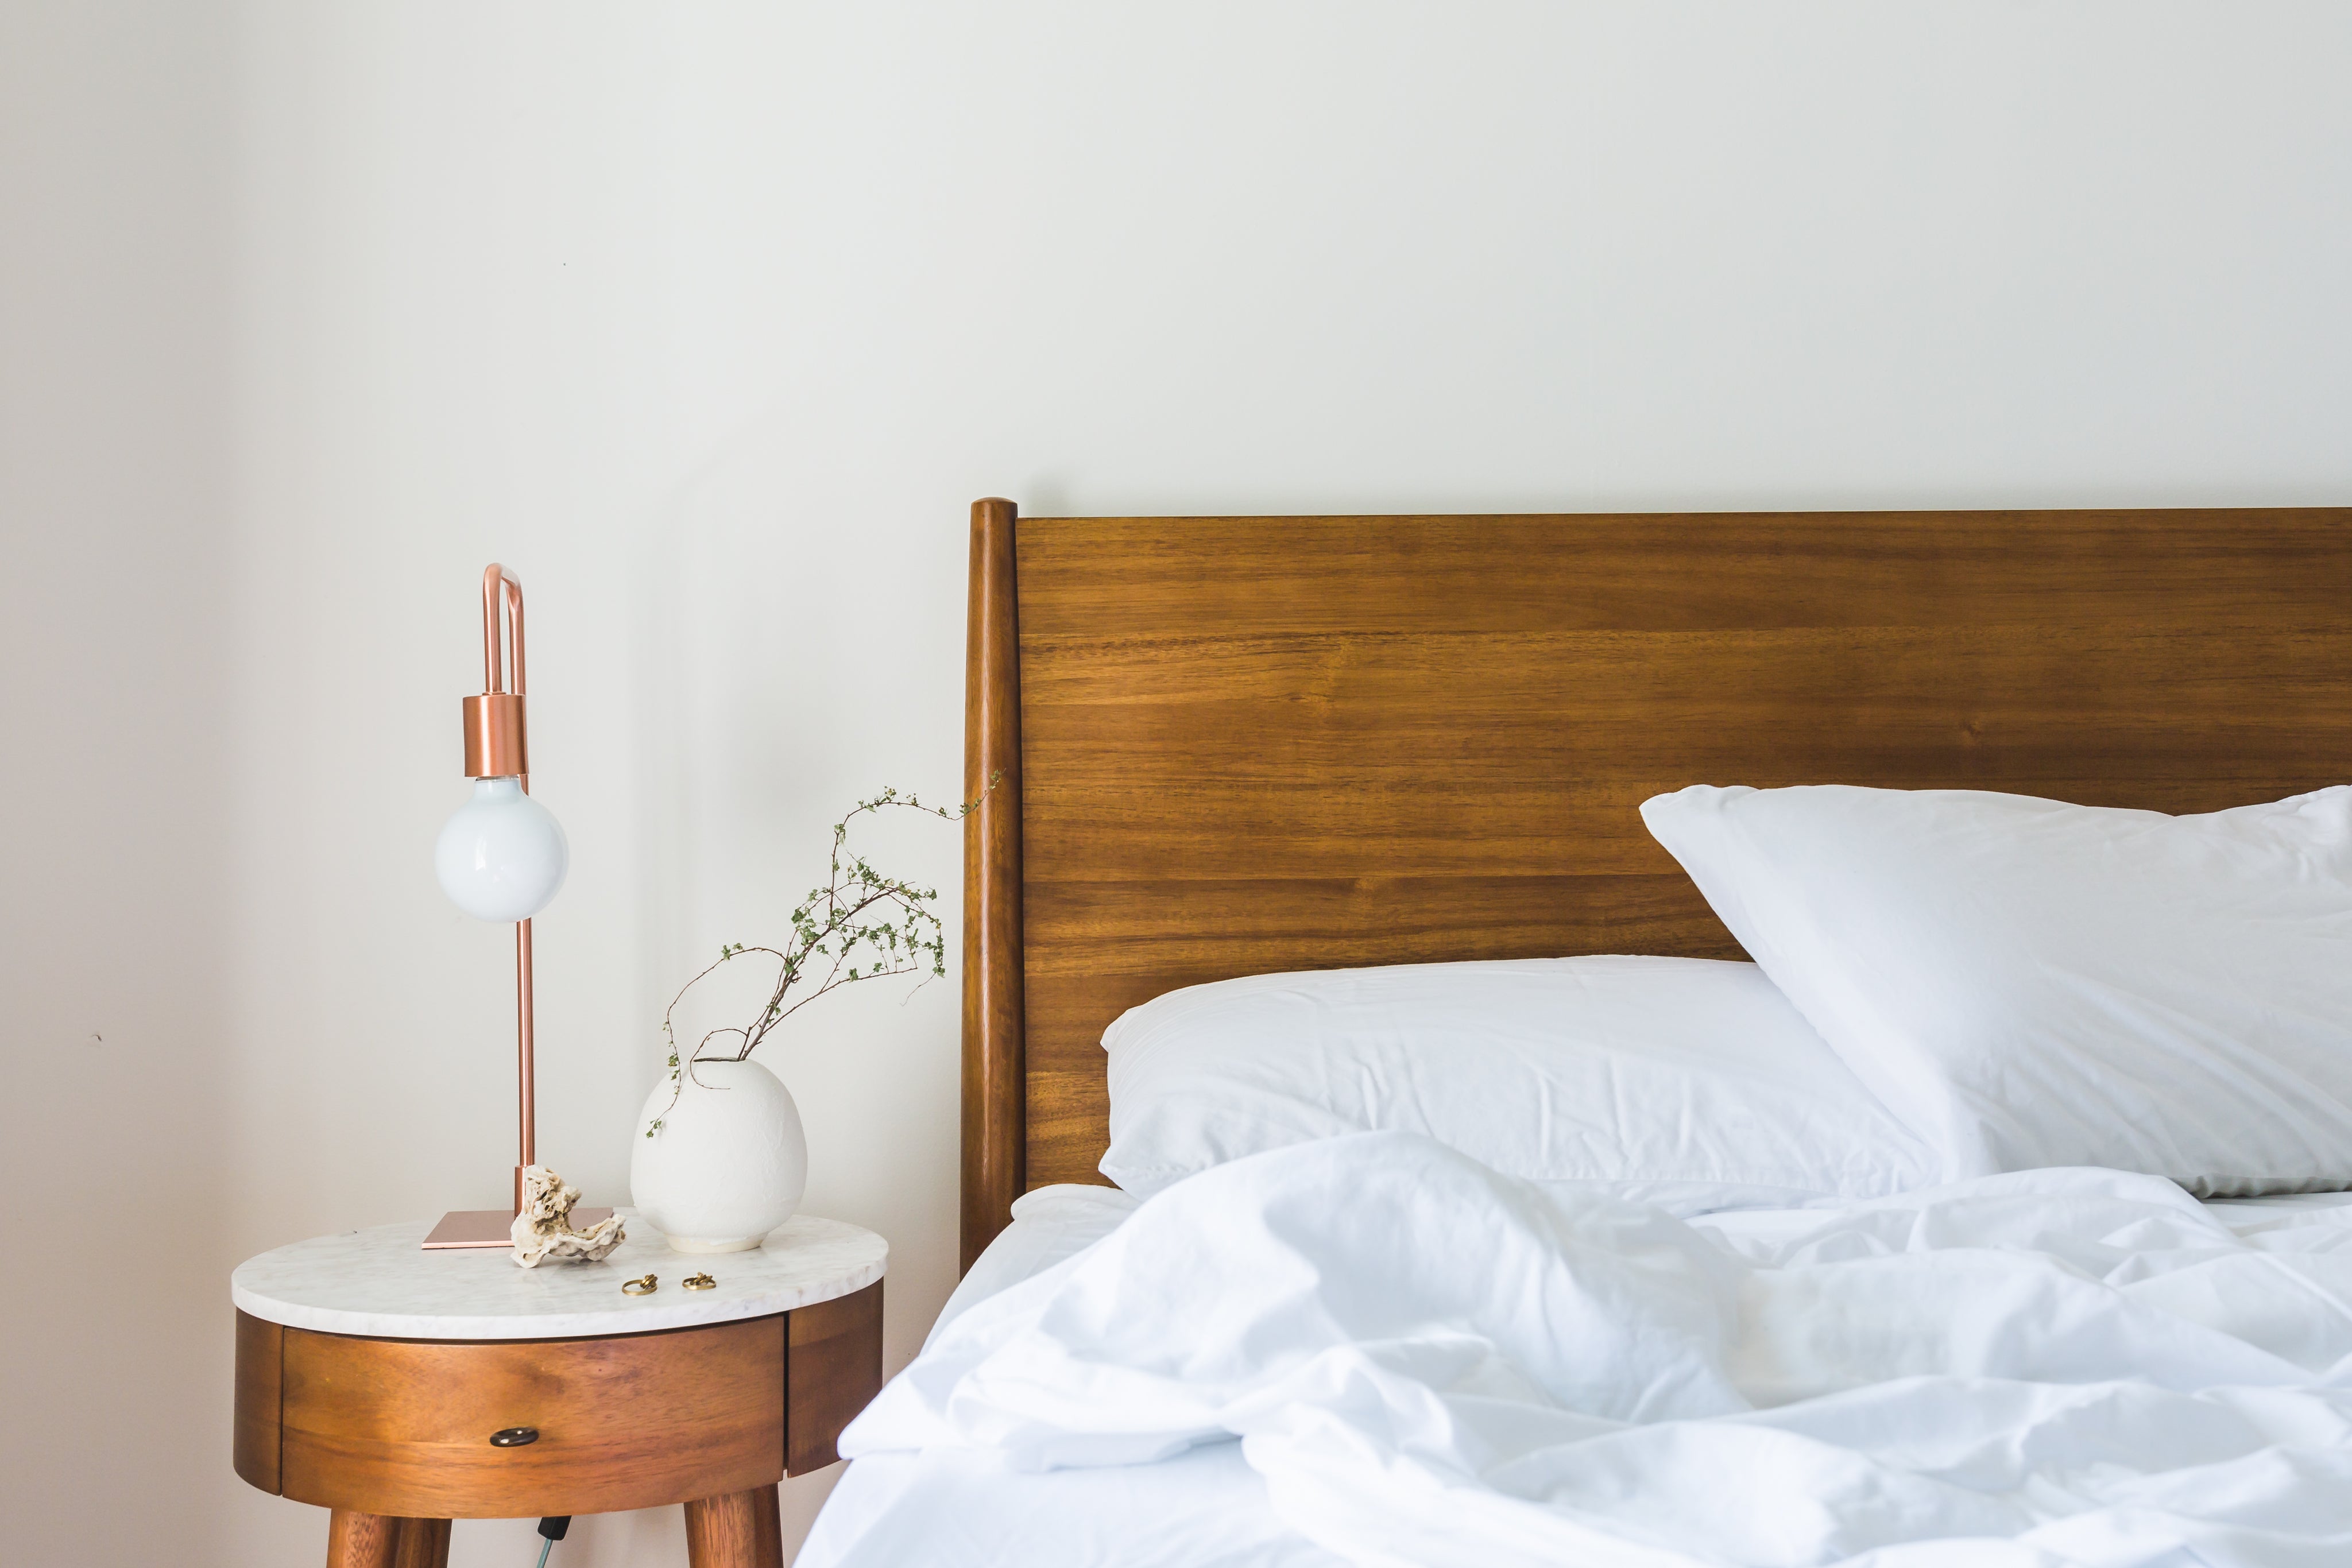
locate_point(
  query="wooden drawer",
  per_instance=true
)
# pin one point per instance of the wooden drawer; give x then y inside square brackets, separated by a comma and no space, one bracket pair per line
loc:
[402,1426]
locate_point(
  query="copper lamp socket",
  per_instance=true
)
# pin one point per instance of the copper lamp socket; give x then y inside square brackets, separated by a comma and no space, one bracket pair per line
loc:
[496,744]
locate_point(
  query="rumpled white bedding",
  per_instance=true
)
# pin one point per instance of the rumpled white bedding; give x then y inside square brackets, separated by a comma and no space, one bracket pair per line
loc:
[1427,1362]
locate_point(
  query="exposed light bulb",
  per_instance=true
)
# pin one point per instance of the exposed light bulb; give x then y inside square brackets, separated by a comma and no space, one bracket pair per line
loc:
[502,855]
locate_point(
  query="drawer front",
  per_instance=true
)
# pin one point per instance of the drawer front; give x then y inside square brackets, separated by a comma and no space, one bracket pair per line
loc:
[404,1427]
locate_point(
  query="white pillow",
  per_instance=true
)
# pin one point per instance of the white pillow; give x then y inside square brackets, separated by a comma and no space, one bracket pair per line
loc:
[2031,984]
[1683,1081]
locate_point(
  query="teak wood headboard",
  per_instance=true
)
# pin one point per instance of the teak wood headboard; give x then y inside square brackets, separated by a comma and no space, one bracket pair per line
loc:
[1235,745]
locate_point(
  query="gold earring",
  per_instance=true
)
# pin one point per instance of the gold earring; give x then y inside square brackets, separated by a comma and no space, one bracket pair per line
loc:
[701,1283]
[644,1287]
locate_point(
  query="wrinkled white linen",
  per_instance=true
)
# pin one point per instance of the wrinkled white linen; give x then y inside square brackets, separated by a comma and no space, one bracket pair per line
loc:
[965,1508]
[1049,1224]
[1432,1364]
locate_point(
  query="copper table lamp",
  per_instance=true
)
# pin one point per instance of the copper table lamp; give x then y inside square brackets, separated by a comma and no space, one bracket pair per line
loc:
[502,857]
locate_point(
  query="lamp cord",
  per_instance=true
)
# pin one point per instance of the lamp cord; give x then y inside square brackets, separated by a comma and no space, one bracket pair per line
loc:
[544,1548]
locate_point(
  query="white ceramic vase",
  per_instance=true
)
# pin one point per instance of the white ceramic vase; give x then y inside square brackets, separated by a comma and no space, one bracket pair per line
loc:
[730,1162]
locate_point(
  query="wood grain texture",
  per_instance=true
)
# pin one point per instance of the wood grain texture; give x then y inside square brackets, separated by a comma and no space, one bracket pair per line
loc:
[993,1151]
[402,1428]
[833,1371]
[252,1433]
[424,1544]
[1250,743]
[356,1539]
[739,1530]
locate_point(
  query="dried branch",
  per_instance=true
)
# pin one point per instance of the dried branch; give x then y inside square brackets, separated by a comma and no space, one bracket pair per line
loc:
[860,925]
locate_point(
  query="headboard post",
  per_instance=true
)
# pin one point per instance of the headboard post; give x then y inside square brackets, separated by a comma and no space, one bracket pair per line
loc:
[995,1099]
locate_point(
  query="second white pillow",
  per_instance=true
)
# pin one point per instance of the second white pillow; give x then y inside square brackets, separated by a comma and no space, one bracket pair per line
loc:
[2029,983]
[1682,1081]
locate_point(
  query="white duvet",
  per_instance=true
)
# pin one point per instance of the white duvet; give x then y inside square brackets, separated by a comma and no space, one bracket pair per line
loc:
[1431,1363]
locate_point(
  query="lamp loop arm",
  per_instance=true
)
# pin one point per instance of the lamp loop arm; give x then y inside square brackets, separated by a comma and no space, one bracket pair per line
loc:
[501,592]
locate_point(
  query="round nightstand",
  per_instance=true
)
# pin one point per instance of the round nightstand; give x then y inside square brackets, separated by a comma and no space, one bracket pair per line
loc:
[404,1388]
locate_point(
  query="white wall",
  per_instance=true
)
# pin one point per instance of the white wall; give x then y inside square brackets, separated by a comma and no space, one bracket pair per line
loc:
[119,1135]
[710,319]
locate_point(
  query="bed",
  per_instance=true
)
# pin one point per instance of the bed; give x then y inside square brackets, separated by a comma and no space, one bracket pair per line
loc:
[1229,747]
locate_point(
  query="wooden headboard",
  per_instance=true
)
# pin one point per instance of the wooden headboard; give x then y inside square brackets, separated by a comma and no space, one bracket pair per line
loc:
[1237,745]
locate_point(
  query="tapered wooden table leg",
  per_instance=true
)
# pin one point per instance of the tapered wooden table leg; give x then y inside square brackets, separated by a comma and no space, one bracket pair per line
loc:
[374,1541]
[740,1530]
[424,1544]
[362,1540]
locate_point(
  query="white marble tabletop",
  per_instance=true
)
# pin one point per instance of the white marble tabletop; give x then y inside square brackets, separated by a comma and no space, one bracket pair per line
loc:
[383,1283]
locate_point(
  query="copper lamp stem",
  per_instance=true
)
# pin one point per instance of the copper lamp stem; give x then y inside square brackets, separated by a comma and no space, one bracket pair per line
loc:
[501,592]
[526,1070]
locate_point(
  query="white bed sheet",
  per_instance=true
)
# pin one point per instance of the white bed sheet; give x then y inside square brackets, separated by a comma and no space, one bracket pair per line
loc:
[954,1507]
[957,1507]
